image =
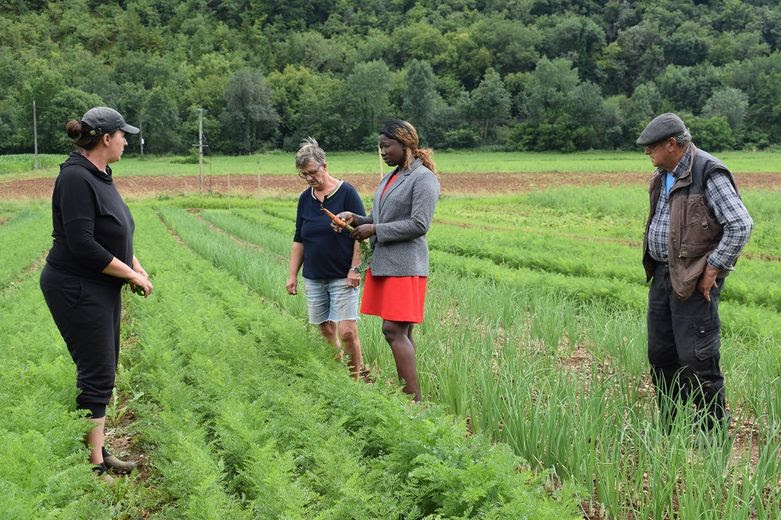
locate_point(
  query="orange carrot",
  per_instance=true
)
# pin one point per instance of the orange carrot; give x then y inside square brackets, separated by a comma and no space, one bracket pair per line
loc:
[336,220]
[366,252]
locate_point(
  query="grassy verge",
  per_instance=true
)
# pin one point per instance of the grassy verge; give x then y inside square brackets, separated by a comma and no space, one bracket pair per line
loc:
[464,161]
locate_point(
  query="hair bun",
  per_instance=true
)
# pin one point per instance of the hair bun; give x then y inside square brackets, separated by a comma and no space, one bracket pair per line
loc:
[73,129]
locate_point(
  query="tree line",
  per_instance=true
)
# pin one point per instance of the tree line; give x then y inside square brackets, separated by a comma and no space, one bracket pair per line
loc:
[505,74]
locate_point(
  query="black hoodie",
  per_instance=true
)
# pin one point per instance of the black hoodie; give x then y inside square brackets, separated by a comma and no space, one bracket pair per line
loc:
[91,223]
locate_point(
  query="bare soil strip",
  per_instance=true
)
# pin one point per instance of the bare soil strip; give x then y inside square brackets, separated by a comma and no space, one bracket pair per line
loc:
[452,183]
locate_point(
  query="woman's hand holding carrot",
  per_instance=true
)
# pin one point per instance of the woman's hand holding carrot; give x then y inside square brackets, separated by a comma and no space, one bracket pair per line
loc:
[345,217]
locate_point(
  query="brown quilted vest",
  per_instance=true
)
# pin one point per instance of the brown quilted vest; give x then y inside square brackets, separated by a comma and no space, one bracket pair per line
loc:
[694,231]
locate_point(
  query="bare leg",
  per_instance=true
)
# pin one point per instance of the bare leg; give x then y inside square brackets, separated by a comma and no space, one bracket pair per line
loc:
[348,336]
[328,330]
[398,335]
[95,440]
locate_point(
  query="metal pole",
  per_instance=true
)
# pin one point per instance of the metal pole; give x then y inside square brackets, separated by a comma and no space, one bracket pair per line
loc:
[35,136]
[200,149]
[141,137]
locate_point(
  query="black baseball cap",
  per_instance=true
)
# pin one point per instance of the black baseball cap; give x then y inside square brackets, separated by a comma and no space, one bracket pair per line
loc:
[104,120]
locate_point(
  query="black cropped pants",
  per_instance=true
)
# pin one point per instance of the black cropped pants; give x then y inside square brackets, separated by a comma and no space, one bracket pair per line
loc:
[684,340]
[87,314]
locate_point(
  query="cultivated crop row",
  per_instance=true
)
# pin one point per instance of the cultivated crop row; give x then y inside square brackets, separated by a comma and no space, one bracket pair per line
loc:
[242,414]
[247,416]
[555,365]
[24,236]
[44,473]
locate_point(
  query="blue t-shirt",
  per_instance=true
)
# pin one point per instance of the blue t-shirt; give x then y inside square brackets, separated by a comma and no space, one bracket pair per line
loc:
[327,255]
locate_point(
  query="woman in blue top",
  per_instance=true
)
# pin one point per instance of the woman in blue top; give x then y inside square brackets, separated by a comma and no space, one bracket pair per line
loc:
[330,261]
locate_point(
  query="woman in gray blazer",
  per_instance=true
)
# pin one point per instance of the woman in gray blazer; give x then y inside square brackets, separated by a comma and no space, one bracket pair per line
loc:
[395,286]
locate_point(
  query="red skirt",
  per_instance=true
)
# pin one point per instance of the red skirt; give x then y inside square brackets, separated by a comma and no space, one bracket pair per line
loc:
[394,298]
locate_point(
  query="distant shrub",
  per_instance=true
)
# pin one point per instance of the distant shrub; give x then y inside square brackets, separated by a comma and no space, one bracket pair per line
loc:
[713,133]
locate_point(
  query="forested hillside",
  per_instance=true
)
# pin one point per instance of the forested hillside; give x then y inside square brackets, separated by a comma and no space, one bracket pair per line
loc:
[511,74]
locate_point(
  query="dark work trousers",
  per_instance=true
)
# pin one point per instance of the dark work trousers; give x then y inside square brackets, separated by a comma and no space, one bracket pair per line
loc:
[87,314]
[684,338]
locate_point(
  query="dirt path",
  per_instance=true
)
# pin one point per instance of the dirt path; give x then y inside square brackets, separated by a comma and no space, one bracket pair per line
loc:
[452,183]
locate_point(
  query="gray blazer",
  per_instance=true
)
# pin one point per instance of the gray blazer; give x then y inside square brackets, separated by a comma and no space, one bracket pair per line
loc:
[401,220]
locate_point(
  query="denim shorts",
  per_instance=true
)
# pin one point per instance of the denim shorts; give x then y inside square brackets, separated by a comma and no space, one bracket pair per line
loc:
[331,300]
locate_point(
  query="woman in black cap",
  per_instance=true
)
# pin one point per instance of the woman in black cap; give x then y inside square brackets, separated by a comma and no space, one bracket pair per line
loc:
[90,260]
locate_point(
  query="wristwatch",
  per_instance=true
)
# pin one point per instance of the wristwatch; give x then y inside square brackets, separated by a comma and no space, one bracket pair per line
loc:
[356,269]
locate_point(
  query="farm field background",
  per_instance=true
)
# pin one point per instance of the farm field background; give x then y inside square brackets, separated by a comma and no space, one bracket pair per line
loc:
[275,163]
[534,341]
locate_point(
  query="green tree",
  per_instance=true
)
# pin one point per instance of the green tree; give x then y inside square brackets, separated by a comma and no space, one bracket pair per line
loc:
[687,88]
[558,110]
[417,40]
[734,15]
[308,105]
[42,85]
[729,102]
[546,92]
[365,100]
[465,59]
[634,58]
[14,125]
[68,103]
[375,45]
[771,26]
[616,133]
[513,47]
[729,47]
[161,123]
[588,116]
[712,133]
[577,38]
[162,59]
[421,102]
[687,45]
[316,52]
[249,115]
[321,114]
[645,104]
[489,104]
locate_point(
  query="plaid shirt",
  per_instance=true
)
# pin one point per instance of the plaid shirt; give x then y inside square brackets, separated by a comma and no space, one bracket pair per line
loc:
[722,200]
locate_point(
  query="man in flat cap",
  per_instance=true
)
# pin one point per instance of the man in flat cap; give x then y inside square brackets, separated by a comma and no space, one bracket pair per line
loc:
[697,227]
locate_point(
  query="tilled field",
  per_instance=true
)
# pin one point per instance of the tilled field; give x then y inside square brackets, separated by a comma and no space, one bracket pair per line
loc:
[451,183]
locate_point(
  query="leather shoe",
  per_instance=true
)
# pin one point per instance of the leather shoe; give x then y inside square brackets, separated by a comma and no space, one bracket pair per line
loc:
[119,466]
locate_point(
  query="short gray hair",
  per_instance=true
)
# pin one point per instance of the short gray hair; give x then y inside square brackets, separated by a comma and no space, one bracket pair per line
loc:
[309,150]
[683,138]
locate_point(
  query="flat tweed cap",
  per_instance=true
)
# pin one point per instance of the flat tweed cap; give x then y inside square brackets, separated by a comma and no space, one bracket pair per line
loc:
[104,120]
[661,127]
